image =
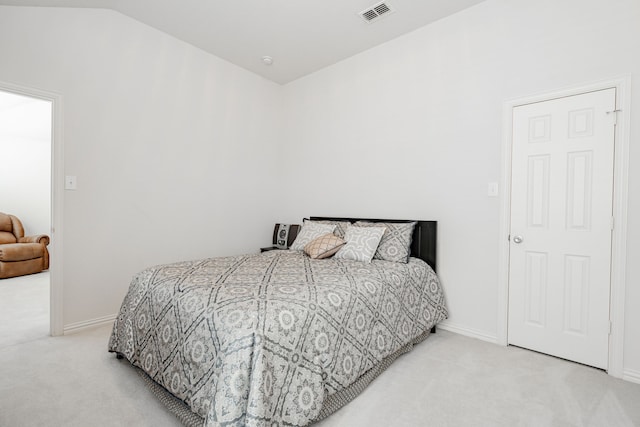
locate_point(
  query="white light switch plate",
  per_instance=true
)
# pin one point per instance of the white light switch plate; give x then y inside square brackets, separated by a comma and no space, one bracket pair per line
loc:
[70,182]
[492,189]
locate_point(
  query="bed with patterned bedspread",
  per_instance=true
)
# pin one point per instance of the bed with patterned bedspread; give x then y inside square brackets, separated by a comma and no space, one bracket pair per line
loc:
[266,339]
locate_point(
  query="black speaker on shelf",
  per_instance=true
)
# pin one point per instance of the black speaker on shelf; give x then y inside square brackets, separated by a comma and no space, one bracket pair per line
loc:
[285,234]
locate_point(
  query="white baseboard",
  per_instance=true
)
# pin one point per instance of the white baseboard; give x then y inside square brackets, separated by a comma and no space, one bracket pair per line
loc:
[631,376]
[627,375]
[72,328]
[469,332]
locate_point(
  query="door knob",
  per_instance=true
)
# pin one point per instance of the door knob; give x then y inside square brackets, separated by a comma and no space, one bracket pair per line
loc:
[517,239]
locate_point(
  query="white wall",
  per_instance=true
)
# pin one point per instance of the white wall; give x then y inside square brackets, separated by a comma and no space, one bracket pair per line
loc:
[172,147]
[25,150]
[412,129]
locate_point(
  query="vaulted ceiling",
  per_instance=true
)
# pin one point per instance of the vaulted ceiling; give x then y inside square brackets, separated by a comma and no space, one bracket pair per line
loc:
[302,36]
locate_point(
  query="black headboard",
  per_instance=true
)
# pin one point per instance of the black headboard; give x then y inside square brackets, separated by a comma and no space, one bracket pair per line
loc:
[423,244]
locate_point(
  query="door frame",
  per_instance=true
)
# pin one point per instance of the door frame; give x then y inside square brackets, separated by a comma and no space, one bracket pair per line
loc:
[56,326]
[620,197]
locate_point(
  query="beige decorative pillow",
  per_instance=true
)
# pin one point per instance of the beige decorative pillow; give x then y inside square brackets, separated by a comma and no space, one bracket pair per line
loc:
[324,246]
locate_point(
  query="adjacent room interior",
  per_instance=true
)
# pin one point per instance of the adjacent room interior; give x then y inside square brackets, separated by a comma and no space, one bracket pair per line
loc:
[25,186]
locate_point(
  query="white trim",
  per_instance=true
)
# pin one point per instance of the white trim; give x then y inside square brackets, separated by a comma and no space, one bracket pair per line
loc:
[619,238]
[620,202]
[57,195]
[468,332]
[631,376]
[73,328]
[504,225]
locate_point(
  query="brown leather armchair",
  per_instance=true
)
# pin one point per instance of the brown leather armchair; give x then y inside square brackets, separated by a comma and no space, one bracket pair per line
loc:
[20,255]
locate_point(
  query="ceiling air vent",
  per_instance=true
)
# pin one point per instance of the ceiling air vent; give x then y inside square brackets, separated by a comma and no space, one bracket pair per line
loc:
[374,12]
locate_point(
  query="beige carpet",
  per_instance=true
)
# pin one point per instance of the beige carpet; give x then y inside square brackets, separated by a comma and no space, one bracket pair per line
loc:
[449,380]
[24,308]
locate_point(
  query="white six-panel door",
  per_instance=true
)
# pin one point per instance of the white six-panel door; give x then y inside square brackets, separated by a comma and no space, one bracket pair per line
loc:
[561,222]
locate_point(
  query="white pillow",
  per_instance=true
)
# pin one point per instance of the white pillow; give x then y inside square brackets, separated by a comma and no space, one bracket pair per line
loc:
[341,226]
[309,232]
[362,243]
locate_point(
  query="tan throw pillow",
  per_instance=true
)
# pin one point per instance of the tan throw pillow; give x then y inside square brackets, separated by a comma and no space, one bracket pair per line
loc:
[324,246]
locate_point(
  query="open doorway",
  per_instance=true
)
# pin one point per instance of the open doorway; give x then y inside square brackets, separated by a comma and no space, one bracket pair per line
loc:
[25,192]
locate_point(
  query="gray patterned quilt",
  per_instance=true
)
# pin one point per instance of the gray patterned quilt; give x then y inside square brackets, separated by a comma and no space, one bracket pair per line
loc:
[262,340]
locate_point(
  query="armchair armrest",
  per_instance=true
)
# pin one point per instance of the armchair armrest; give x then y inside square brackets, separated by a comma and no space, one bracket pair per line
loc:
[40,238]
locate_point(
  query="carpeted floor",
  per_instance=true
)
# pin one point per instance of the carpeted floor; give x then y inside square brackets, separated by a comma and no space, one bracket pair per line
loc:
[449,380]
[24,308]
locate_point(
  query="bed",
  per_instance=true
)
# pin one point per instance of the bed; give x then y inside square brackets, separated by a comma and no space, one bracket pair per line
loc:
[279,338]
